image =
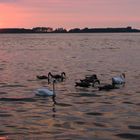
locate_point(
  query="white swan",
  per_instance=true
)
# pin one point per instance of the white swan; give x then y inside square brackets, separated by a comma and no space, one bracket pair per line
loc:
[45,91]
[118,79]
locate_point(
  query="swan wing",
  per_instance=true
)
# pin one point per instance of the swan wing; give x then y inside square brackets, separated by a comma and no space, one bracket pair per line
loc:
[44,92]
[118,80]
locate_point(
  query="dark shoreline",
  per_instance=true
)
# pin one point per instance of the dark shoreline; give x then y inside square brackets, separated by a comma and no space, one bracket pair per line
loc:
[48,30]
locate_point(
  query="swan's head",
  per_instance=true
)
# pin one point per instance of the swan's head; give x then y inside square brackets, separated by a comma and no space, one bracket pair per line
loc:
[94,76]
[123,74]
[63,74]
[38,77]
[49,74]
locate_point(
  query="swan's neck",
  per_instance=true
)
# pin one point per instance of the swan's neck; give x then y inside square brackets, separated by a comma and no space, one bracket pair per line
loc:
[54,88]
[63,76]
[123,76]
[49,74]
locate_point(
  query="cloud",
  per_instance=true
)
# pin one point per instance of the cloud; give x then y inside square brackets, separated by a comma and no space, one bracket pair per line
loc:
[8,1]
[28,13]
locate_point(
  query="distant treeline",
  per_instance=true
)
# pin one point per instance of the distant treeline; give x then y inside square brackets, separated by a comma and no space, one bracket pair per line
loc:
[62,30]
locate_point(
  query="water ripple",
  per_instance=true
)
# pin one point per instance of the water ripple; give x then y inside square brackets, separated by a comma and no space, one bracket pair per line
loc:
[89,95]
[5,115]
[3,93]
[78,113]
[126,102]
[129,136]
[134,127]
[95,113]
[63,104]
[13,85]
[17,99]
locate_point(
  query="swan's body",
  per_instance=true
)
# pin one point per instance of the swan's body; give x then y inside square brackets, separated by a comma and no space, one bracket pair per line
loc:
[106,87]
[118,79]
[41,77]
[82,84]
[61,76]
[45,91]
[91,80]
[93,76]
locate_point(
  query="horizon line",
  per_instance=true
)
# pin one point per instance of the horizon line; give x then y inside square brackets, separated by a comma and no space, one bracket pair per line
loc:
[70,28]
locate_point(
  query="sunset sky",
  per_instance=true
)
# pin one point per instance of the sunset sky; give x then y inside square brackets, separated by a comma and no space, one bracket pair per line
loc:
[69,13]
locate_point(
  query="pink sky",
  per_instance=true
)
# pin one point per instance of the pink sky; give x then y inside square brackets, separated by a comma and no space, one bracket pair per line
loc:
[69,13]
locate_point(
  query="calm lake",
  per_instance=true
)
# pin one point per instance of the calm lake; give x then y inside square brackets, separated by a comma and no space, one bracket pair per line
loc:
[79,113]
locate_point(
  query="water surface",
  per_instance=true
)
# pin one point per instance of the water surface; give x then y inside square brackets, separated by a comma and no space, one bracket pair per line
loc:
[79,113]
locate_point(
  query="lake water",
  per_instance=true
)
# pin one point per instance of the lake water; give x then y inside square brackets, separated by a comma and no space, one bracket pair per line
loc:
[80,113]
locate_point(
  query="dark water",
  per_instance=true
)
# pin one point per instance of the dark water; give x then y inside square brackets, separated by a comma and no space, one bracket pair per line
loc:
[81,114]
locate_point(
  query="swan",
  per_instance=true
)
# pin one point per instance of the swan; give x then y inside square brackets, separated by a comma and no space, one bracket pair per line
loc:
[61,76]
[82,84]
[45,91]
[41,77]
[107,87]
[118,80]
[93,76]
[44,76]
[91,79]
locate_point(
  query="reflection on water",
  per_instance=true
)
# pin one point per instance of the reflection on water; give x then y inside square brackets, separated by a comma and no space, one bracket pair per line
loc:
[75,113]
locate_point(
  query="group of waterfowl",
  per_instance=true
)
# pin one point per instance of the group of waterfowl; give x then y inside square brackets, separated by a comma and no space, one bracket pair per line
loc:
[50,77]
[116,82]
[95,82]
[58,77]
[88,81]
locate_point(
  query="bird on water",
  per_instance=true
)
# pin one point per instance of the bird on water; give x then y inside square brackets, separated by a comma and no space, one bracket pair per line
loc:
[45,91]
[116,82]
[119,79]
[58,77]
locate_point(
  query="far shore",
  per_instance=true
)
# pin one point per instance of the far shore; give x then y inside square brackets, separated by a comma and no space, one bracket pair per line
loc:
[74,30]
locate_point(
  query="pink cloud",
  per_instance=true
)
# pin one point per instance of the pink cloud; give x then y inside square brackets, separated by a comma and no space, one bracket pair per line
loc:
[74,13]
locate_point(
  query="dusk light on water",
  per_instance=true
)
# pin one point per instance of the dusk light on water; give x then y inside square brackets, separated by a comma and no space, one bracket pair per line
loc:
[76,112]
[69,70]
